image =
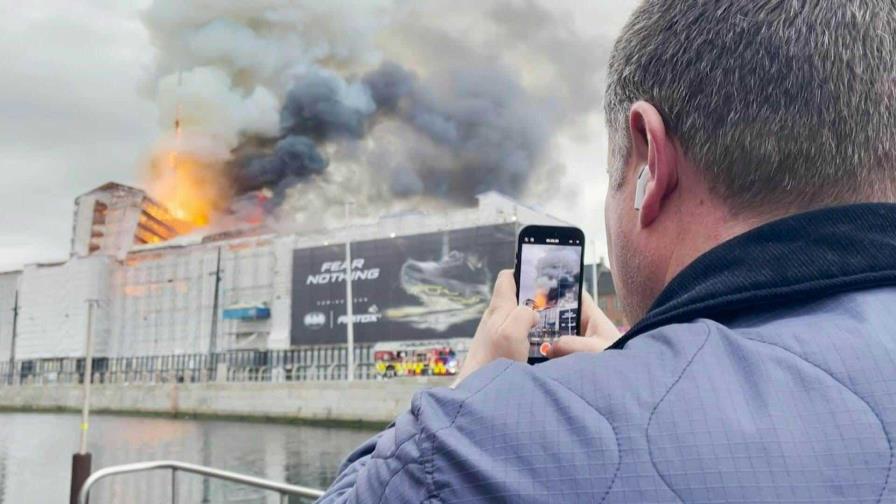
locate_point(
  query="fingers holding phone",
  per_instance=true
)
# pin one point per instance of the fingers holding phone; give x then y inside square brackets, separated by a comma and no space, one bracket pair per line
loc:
[549,265]
[598,330]
[537,309]
[503,330]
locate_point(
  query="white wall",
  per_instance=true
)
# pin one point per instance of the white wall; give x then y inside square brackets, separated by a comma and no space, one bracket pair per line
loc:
[247,278]
[83,223]
[163,298]
[53,303]
[160,302]
[281,299]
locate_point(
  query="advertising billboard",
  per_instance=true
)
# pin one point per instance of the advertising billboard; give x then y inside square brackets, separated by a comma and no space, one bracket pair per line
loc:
[417,287]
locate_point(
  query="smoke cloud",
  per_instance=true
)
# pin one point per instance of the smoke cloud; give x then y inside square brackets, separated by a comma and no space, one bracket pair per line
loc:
[556,275]
[322,105]
[563,262]
[385,101]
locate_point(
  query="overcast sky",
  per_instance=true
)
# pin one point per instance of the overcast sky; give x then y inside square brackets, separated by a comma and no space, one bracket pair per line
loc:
[72,117]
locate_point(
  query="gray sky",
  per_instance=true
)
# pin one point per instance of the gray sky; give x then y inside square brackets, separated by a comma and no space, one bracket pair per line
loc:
[72,117]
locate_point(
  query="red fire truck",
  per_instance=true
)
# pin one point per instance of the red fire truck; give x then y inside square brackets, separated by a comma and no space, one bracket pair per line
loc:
[418,358]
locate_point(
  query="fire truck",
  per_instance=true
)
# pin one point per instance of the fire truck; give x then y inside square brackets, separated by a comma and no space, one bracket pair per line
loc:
[419,358]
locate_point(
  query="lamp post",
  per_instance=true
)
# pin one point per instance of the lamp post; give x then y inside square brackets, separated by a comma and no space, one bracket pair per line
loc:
[10,377]
[81,461]
[349,300]
[213,332]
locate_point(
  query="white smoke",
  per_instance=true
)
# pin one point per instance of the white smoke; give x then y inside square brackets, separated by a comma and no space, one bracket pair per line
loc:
[224,65]
[261,41]
[213,113]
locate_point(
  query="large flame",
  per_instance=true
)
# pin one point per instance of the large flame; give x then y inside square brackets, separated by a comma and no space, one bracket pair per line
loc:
[189,190]
[541,299]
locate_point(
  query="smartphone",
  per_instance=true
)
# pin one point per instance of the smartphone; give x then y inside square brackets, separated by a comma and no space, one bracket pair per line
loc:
[549,265]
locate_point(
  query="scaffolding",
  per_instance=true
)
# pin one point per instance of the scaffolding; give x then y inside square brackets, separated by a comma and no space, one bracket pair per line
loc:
[154,277]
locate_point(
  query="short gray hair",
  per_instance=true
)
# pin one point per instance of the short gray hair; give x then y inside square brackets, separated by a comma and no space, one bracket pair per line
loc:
[782,103]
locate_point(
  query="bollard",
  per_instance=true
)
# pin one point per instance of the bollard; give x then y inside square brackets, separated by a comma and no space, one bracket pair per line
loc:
[80,473]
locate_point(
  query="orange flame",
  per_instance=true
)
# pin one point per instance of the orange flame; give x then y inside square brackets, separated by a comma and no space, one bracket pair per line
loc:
[190,190]
[541,299]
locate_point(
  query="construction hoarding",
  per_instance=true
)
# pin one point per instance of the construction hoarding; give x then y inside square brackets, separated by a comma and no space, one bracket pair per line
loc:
[417,287]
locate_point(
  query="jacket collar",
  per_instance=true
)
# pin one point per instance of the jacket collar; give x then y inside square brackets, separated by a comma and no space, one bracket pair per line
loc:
[800,258]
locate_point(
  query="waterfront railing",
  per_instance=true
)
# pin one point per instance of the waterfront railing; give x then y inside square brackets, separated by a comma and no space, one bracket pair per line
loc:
[318,363]
[284,490]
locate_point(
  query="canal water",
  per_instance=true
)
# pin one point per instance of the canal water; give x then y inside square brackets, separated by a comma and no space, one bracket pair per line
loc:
[36,450]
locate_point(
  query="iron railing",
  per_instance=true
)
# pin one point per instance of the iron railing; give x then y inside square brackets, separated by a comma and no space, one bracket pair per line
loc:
[317,363]
[283,489]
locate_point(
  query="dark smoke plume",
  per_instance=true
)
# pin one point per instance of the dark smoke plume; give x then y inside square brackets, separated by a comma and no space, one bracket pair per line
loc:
[292,157]
[487,130]
[277,94]
[388,84]
[321,106]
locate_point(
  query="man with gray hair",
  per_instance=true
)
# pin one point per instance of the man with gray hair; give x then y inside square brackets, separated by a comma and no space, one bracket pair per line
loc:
[752,233]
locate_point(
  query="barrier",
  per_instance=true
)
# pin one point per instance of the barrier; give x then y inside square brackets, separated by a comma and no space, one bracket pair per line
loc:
[325,362]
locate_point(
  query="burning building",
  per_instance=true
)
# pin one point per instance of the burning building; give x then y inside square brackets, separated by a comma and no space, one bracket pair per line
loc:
[164,288]
[113,217]
[270,113]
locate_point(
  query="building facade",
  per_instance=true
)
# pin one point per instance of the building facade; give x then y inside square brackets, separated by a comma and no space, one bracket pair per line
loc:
[149,285]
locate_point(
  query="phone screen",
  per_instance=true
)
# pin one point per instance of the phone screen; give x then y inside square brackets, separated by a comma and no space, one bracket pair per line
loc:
[550,275]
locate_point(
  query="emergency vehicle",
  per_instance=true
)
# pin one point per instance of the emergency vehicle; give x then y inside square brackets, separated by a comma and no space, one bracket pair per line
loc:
[419,358]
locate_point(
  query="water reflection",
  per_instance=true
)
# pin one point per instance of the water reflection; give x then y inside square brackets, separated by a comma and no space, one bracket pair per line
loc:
[36,449]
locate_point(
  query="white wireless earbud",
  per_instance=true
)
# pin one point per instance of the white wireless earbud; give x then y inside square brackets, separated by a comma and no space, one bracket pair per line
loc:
[641,186]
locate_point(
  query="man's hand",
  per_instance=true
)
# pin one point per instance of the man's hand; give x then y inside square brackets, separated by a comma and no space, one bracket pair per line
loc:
[598,332]
[503,331]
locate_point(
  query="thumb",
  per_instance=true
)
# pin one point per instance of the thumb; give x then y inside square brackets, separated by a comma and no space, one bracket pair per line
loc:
[566,345]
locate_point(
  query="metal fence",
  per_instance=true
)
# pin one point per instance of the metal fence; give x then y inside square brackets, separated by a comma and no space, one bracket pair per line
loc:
[283,489]
[316,363]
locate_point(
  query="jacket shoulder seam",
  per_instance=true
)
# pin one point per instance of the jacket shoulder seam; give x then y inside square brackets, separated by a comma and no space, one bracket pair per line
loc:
[657,405]
[400,469]
[428,457]
[612,428]
[851,391]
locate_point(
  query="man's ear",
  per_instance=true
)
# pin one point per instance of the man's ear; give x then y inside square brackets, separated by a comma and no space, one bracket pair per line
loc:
[651,144]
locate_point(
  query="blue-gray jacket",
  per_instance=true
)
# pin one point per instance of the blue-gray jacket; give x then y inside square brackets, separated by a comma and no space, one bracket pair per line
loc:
[765,372]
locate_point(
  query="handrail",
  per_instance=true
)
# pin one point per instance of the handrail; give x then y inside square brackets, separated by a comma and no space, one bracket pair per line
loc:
[283,489]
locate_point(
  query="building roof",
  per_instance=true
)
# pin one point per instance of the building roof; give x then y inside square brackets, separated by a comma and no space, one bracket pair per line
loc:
[115,186]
